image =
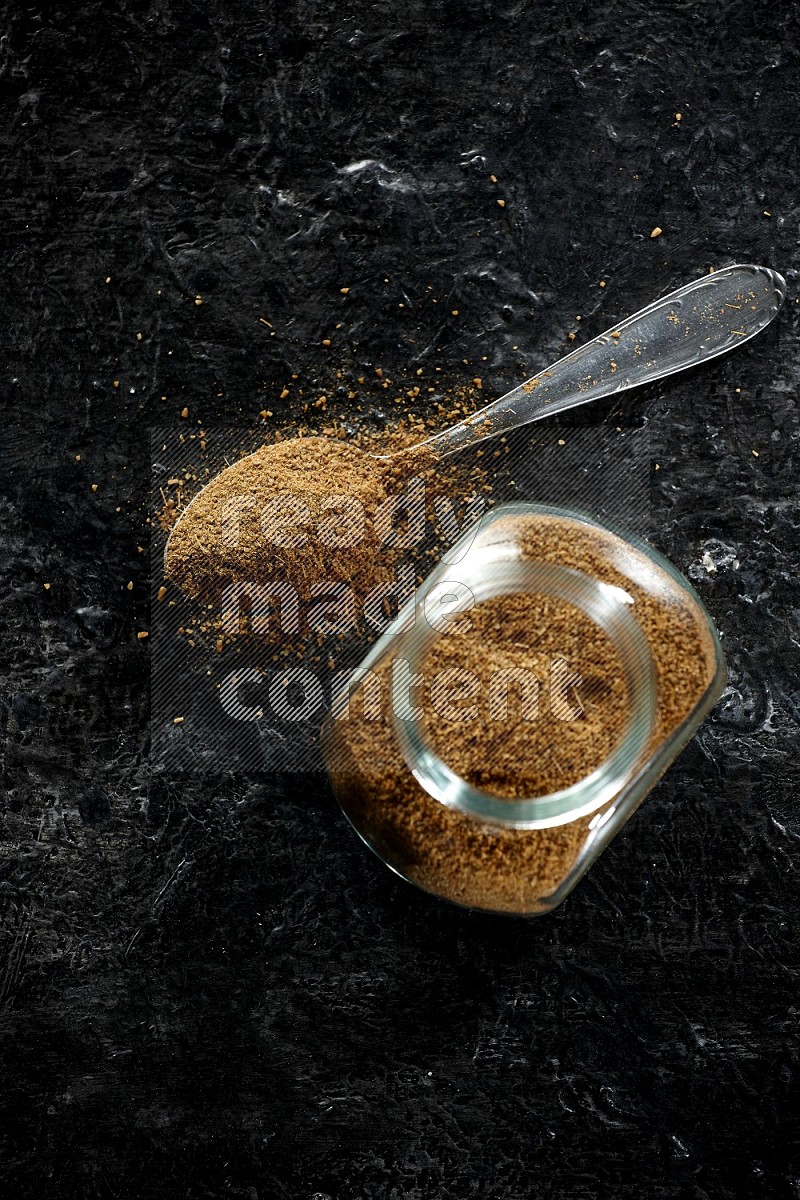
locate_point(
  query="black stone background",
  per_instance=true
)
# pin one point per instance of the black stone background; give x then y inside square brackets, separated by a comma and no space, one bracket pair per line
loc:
[209,989]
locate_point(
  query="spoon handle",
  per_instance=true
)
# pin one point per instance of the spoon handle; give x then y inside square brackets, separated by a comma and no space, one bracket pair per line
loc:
[697,322]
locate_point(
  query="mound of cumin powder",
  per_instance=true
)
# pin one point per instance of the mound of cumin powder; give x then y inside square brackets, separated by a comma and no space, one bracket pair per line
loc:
[493,867]
[314,511]
[290,511]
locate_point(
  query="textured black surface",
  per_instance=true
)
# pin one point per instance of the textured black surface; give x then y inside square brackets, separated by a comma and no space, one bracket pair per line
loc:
[211,990]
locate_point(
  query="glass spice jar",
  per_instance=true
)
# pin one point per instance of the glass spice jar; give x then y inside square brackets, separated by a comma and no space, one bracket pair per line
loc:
[518,709]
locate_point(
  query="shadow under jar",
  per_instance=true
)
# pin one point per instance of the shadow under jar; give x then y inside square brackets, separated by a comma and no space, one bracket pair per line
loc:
[518,709]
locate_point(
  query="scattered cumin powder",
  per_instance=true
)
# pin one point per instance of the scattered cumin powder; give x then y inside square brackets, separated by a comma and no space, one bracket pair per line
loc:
[471,861]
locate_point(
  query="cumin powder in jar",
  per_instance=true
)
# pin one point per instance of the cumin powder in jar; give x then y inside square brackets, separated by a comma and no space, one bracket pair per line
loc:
[491,745]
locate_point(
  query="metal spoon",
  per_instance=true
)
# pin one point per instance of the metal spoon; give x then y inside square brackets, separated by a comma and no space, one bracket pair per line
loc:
[710,316]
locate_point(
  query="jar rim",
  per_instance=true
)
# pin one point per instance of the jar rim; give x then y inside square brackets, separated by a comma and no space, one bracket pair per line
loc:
[489,574]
